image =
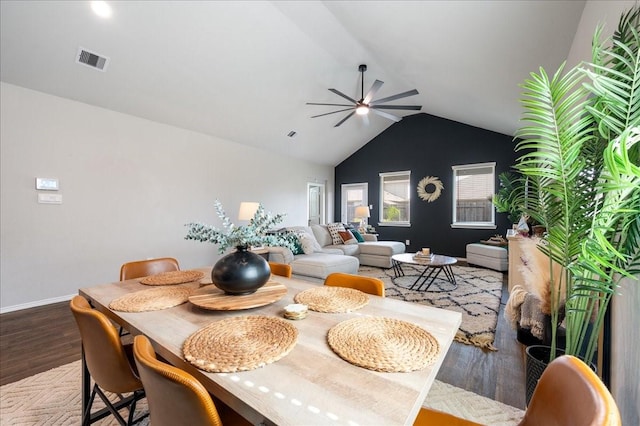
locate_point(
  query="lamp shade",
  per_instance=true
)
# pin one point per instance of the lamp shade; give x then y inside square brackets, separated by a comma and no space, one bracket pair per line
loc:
[247,210]
[362,211]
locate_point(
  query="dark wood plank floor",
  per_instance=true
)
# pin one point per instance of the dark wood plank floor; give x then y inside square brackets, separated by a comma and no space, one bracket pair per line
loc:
[38,339]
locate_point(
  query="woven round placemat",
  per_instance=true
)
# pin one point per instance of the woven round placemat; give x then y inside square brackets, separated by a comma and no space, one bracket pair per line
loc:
[383,344]
[332,299]
[152,299]
[240,343]
[173,277]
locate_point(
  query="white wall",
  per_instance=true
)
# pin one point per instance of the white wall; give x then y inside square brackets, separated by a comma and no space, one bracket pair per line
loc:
[128,185]
[605,12]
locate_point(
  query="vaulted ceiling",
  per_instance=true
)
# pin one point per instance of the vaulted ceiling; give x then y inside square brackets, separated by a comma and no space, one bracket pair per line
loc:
[243,71]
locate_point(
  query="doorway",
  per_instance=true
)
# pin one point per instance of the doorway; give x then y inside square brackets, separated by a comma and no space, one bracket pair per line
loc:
[315,203]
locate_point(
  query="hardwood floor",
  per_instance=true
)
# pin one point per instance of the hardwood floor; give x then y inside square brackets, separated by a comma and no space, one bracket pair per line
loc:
[38,339]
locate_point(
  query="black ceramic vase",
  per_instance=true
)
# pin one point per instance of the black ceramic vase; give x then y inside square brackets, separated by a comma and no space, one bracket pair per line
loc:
[240,272]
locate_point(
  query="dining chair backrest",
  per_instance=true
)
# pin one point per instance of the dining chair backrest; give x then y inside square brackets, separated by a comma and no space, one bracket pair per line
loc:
[105,355]
[368,285]
[110,364]
[570,393]
[144,268]
[431,417]
[281,269]
[174,396]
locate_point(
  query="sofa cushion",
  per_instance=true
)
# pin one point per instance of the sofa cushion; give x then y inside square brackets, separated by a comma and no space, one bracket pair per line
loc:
[357,235]
[330,250]
[297,246]
[335,229]
[322,235]
[347,237]
[280,254]
[348,249]
[308,243]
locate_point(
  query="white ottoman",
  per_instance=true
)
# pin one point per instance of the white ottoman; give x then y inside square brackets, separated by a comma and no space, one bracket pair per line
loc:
[378,253]
[488,256]
[319,265]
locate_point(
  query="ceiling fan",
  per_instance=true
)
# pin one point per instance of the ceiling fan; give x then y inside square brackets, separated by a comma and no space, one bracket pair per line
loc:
[366,103]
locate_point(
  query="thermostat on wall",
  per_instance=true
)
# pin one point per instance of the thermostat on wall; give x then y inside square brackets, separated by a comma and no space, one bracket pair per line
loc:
[47,184]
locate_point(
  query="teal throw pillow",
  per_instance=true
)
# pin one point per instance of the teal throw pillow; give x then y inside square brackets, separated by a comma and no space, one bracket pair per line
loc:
[297,247]
[357,235]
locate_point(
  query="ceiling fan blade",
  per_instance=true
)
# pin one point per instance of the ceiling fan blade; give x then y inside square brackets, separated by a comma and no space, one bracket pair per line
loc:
[413,107]
[345,119]
[332,112]
[365,118]
[316,103]
[394,97]
[339,93]
[386,115]
[372,92]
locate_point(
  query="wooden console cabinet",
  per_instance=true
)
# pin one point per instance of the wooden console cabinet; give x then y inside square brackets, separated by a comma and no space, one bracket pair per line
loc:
[515,253]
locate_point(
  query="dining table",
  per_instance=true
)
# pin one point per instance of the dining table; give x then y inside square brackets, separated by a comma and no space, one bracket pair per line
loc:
[311,385]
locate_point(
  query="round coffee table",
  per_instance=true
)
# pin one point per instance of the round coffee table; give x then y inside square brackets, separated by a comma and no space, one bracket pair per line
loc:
[432,267]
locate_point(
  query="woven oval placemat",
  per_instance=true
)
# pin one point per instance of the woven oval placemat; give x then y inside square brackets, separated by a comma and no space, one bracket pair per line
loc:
[172,277]
[332,299]
[383,344]
[240,343]
[152,299]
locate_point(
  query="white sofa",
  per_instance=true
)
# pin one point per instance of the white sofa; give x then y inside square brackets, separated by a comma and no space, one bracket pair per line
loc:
[328,257]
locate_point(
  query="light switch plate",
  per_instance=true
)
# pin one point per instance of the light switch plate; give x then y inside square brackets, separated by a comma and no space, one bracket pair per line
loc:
[49,198]
[47,184]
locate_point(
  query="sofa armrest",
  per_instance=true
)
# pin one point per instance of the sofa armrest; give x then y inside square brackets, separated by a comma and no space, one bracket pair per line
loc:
[280,255]
[369,237]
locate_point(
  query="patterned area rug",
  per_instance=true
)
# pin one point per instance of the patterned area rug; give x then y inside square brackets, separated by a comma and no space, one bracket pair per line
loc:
[477,297]
[53,398]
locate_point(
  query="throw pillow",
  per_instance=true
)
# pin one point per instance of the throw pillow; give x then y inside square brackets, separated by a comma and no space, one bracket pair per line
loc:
[334,229]
[347,237]
[309,243]
[358,236]
[297,246]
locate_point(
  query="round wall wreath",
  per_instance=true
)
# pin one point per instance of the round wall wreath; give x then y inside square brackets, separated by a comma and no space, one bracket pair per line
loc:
[433,195]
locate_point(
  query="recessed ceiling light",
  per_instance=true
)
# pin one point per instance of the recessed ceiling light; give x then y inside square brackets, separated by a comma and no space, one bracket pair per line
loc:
[101,8]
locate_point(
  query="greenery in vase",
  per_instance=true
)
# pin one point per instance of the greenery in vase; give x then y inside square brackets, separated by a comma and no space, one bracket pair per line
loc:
[229,236]
[582,158]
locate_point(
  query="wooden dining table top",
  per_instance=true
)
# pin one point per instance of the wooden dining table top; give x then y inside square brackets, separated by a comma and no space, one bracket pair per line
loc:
[311,385]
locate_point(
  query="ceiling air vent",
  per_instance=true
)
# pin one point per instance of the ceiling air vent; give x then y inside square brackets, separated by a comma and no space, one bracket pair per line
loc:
[92,59]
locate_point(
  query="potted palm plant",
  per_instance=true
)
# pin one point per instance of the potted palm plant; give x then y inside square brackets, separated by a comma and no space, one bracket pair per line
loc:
[510,196]
[581,157]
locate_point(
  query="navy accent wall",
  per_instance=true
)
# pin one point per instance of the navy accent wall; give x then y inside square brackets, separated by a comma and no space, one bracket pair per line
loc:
[427,146]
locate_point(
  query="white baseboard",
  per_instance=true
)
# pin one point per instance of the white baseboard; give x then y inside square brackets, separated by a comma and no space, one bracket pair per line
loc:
[36,303]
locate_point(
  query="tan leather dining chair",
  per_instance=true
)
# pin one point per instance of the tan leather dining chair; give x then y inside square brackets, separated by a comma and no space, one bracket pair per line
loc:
[568,393]
[281,269]
[175,397]
[368,285]
[144,268]
[109,362]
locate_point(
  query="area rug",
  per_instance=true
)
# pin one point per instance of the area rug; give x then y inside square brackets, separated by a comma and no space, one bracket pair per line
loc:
[477,297]
[53,398]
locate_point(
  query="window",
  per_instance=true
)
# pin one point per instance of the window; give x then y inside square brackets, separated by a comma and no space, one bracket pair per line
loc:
[473,189]
[353,195]
[395,195]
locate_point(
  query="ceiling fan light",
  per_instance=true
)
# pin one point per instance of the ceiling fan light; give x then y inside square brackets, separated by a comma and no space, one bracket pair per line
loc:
[362,110]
